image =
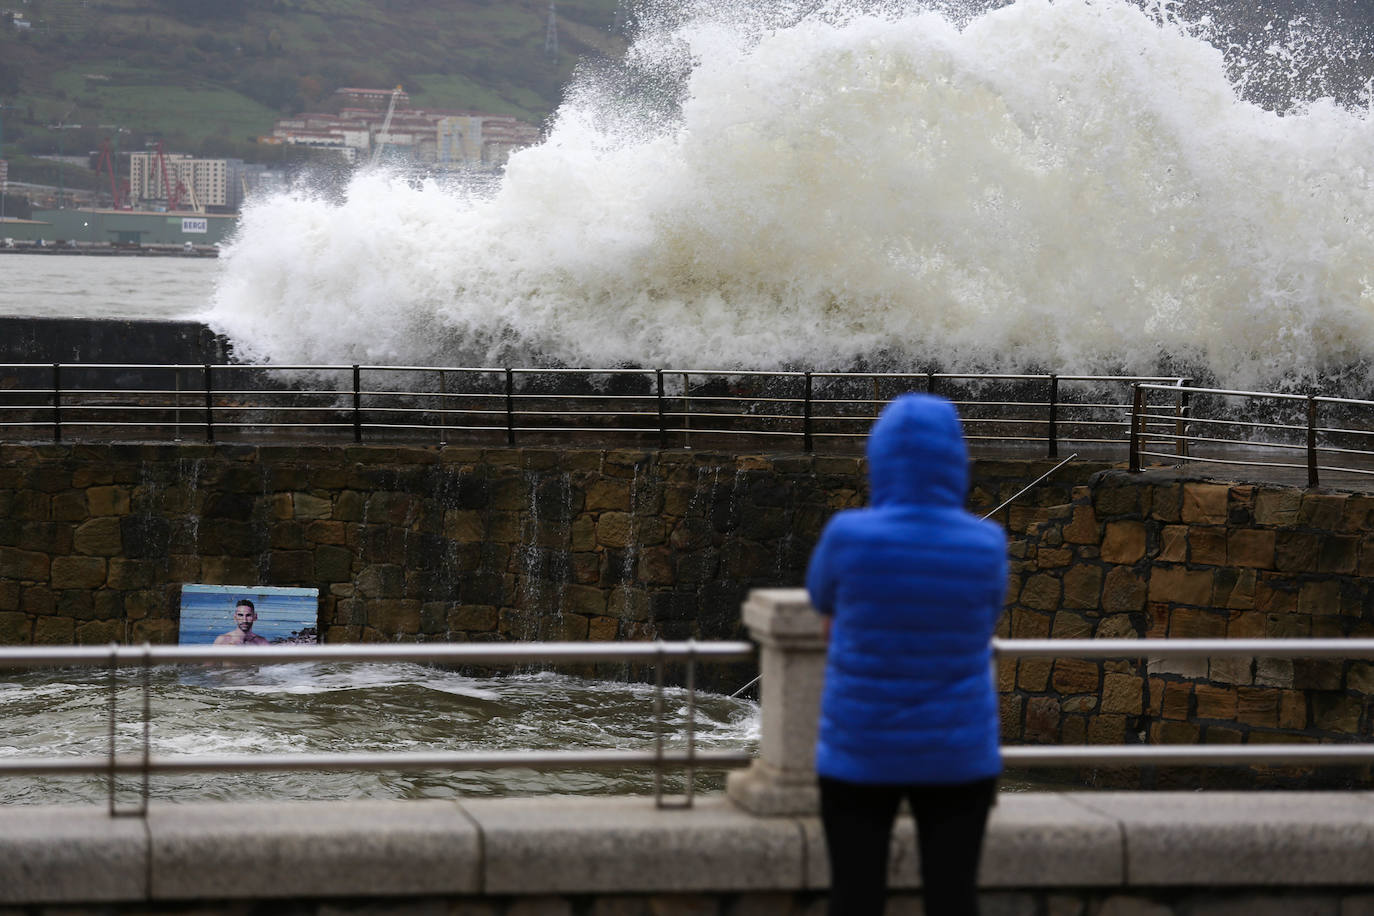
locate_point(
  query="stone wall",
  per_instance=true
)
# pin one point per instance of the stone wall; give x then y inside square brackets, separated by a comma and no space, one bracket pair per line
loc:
[1154,556]
[424,543]
[533,543]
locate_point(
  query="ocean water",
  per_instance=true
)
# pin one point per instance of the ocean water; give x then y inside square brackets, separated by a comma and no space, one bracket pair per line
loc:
[79,286]
[1074,186]
[335,708]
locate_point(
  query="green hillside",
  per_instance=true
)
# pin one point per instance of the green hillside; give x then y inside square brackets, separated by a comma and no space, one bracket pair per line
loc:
[208,76]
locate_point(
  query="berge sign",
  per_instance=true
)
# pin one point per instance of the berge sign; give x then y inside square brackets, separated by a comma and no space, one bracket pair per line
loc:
[190,224]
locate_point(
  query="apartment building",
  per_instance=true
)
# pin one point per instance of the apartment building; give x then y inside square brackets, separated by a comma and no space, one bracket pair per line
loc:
[206,185]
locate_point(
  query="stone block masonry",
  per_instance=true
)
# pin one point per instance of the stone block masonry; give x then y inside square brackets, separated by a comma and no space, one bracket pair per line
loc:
[573,544]
[1157,556]
[412,543]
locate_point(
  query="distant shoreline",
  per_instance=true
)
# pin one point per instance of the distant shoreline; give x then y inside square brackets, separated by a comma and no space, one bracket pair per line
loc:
[106,250]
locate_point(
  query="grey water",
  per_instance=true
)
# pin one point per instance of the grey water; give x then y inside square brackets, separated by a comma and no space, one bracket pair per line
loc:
[336,708]
[76,286]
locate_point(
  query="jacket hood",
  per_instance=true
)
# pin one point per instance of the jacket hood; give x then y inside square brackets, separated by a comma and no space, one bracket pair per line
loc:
[916,454]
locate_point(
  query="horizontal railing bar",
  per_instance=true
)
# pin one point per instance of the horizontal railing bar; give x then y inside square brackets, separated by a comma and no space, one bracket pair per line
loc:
[394,761]
[1174,457]
[1221,421]
[731,372]
[1321,399]
[470,369]
[1184,648]
[1228,392]
[1341,431]
[1187,755]
[1210,440]
[63,656]
[567,371]
[1012,756]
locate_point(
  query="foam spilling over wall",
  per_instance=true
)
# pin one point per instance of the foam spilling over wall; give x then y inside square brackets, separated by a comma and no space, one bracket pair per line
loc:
[1071,186]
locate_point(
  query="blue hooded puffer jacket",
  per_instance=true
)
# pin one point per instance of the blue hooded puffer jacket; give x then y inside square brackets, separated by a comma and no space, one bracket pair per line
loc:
[915,585]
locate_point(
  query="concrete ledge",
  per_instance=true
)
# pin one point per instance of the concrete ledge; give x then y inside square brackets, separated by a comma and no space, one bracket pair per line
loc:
[1110,842]
[623,845]
[57,855]
[1033,840]
[1304,839]
[312,849]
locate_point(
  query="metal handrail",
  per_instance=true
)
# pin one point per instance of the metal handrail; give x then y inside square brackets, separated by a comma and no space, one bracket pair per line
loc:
[678,406]
[250,397]
[145,656]
[1308,427]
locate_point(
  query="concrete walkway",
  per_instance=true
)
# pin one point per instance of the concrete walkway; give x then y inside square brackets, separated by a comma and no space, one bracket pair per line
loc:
[598,846]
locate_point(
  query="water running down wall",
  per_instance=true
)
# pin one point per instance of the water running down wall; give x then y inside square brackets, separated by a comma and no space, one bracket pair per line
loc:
[1081,185]
[460,544]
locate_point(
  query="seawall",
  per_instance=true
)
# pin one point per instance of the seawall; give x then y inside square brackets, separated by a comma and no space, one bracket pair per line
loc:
[108,340]
[528,543]
[1070,854]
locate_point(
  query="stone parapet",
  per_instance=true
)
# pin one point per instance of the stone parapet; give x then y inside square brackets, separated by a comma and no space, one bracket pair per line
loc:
[1100,852]
[409,543]
[1158,556]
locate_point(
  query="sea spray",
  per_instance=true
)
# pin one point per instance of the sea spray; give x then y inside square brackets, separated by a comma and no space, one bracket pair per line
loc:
[1069,186]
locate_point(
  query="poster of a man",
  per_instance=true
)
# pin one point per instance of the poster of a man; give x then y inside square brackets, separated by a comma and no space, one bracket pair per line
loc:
[248,615]
[245,615]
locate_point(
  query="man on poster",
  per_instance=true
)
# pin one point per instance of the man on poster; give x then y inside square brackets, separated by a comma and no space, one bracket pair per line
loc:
[242,635]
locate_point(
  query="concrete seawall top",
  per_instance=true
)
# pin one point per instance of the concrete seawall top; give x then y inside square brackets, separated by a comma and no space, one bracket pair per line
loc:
[535,846]
[108,340]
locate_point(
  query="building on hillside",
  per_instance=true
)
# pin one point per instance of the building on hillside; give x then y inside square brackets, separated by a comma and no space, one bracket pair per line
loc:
[445,139]
[480,141]
[379,99]
[204,185]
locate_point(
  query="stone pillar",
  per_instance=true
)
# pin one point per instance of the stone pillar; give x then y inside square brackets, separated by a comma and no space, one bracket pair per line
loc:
[791,637]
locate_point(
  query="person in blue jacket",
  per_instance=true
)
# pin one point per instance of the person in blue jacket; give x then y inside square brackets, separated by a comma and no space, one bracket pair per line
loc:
[912,587]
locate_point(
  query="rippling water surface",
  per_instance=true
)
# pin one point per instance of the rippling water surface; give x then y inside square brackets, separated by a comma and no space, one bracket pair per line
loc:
[332,708]
[78,286]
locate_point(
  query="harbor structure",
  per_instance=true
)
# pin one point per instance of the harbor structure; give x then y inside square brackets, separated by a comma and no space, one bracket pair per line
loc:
[95,226]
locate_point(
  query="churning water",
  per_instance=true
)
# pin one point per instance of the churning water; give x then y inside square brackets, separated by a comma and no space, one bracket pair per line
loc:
[327,708]
[1077,186]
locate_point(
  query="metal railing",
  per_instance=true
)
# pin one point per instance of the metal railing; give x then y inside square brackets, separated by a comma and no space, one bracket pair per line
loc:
[144,764]
[1133,418]
[427,404]
[145,657]
[1252,428]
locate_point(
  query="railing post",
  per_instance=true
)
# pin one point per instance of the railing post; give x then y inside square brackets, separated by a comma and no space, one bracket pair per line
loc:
[1181,414]
[1312,477]
[791,638]
[57,402]
[443,409]
[662,424]
[357,403]
[1054,416]
[686,412]
[930,382]
[1137,407]
[807,445]
[510,407]
[209,407]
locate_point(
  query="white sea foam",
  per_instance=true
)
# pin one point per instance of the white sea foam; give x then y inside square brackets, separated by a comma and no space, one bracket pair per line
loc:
[1073,185]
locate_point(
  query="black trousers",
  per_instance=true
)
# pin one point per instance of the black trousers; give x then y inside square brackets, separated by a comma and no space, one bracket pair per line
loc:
[950,821]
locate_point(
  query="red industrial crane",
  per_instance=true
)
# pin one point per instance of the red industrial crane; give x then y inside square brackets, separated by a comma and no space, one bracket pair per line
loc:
[119,191]
[172,193]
